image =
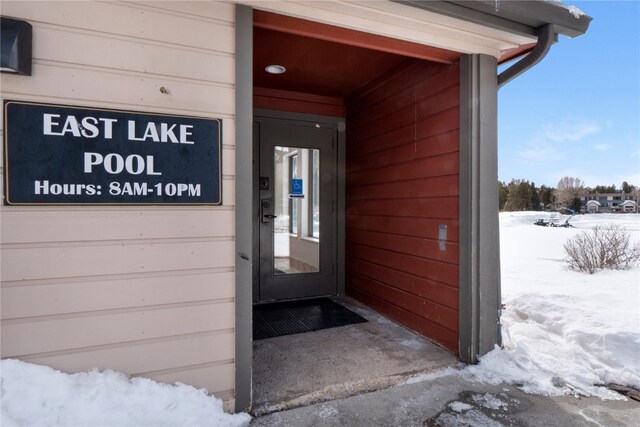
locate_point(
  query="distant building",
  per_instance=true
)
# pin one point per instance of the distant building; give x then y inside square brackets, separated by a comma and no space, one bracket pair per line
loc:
[593,206]
[609,203]
[629,206]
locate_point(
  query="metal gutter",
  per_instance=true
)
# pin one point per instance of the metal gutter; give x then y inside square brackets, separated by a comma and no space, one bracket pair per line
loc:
[542,18]
[545,40]
[522,17]
[465,13]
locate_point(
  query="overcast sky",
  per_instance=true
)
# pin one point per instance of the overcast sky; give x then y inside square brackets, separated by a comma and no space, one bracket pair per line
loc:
[577,113]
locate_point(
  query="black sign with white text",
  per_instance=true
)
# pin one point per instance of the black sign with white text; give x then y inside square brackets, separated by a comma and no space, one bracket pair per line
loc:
[79,155]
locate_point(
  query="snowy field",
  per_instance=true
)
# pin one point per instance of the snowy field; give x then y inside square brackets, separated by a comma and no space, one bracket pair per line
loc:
[564,332]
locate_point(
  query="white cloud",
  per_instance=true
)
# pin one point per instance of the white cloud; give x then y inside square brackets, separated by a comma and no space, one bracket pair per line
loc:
[570,130]
[545,145]
[631,178]
[536,152]
[577,147]
[602,147]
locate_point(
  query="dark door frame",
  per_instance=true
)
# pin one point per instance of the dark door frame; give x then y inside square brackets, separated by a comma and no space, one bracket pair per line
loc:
[337,170]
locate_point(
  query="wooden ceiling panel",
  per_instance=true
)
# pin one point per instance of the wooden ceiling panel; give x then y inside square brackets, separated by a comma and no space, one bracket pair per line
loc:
[316,66]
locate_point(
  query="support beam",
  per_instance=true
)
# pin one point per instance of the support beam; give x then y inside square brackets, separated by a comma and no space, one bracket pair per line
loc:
[479,232]
[244,205]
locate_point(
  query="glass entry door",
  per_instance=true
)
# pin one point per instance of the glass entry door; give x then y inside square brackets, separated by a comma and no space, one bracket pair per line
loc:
[296,218]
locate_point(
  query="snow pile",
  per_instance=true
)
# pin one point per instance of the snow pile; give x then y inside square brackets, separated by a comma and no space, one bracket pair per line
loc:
[490,401]
[564,332]
[34,395]
[475,409]
[460,406]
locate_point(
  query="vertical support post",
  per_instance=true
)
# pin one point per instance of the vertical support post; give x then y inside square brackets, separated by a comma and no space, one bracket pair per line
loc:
[341,204]
[480,299]
[244,206]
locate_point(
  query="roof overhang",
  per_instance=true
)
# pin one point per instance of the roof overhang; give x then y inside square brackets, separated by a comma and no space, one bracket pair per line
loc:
[404,22]
[519,17]
[504,29]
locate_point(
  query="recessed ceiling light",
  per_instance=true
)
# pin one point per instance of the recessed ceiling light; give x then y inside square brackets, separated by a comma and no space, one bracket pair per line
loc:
[275,69]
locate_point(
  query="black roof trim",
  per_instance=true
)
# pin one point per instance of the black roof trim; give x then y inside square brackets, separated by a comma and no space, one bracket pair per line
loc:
[516,16]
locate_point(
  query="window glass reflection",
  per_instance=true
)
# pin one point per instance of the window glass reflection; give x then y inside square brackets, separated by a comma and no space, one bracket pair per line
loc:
[296,201]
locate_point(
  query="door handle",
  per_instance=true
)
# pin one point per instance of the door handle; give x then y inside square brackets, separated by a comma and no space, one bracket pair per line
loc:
[265,206]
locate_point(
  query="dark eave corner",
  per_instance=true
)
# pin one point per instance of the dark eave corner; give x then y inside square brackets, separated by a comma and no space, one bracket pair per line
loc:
[544,19]
[516,16]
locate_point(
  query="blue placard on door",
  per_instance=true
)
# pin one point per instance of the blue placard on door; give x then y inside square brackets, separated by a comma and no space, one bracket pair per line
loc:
[297,187]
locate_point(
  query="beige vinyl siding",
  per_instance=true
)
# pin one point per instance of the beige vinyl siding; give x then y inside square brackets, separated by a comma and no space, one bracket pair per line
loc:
[144,290]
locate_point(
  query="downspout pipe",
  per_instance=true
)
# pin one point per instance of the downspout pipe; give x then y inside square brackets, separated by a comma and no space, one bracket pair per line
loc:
[545,40]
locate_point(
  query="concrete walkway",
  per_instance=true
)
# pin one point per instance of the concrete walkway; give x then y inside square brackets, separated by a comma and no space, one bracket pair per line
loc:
[299,370]
[451,401]
[353,376]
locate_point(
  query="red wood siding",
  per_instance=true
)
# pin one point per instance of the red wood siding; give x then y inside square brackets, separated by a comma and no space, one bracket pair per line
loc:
[296,102]
[402,183]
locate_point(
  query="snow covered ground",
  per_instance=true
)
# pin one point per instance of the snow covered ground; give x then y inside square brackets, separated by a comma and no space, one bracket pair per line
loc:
[39,396]
[564,333]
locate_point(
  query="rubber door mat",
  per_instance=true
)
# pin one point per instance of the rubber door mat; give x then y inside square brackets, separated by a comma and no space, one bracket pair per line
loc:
[295,317]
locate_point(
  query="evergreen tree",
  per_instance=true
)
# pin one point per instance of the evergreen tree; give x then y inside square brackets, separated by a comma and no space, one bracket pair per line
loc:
[534,197]
[604,189]
[502,194]
[546,196]
[628,188]
[518,198]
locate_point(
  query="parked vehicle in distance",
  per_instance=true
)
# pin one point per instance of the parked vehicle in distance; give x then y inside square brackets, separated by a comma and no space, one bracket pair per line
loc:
[554,220]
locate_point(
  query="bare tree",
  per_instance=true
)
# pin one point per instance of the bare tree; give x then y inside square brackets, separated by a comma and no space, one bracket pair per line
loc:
[569,191]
